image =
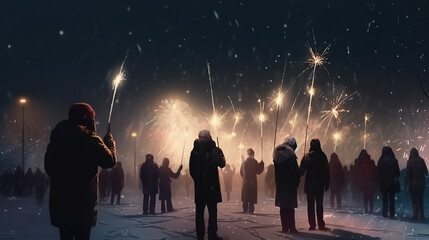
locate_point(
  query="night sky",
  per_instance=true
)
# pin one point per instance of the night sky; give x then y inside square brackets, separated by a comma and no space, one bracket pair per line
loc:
[56,53]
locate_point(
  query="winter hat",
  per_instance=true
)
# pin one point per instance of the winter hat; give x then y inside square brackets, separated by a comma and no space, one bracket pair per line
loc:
[250,152]
[81,112]
[290,141]
[204,134]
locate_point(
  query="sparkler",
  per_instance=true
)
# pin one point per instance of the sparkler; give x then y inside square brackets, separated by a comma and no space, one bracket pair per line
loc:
[278,100]
[262,118]
[294,122]
[336,107]
[364,135]
[115,83]
[215,121]
[314,61]
[337,136]
[237,117]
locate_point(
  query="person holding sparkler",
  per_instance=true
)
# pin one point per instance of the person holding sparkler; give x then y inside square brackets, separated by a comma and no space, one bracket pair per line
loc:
[287,176]
[317,179]
[248,171]
[165,173]
[72,158]
[203,164]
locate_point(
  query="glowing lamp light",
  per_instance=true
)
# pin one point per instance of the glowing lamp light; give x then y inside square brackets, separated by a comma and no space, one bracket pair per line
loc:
[134,134]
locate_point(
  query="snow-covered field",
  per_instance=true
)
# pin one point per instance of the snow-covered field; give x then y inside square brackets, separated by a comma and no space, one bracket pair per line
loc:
[21,218]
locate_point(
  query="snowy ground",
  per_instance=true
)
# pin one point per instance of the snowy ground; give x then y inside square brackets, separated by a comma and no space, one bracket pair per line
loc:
[21,218]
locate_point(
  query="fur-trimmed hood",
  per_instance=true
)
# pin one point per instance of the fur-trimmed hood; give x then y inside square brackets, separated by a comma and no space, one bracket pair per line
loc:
[283,153]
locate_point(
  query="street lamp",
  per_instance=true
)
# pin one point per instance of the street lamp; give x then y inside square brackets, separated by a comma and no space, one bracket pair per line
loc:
[23,101]
[134,136]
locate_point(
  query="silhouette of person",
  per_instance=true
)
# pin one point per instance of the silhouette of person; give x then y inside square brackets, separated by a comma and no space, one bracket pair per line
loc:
[18,182]
[165,173]
[39,185]
[249,191]
[117,183]
[415,179]
[287,176]
[72,158]
[315,163]
[228,175]
[28,182]
[149,175]
[270,183]
[336,180]
[367,179]
[203,164]
[388,176]
[104,178]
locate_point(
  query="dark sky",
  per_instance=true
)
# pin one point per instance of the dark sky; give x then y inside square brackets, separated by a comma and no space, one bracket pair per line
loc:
[59,52]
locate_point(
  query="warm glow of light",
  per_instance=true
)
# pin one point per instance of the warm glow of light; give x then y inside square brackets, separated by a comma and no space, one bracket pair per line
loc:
[262,117]
[238,116]
[134,134]
[118,79]
[278,100]
[312,91]
[337,136]
[366,117]
[215,121]
[23,101]
[240,146]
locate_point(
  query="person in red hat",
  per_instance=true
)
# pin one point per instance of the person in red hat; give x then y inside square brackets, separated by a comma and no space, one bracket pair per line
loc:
[72,158]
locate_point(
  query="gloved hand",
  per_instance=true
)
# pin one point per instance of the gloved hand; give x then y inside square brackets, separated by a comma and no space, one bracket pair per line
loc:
[109,141]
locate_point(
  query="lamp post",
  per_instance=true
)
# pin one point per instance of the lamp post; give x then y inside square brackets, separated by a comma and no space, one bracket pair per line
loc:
[23,101]
[134,136]
[364,135]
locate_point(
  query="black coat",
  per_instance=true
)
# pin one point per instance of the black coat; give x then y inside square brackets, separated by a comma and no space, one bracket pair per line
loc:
[287,176]
[165,182]
[317,178]
[203,165]
[388,171]
[249,169]
[71,161]
[149,175]
[118,179]
[416,171]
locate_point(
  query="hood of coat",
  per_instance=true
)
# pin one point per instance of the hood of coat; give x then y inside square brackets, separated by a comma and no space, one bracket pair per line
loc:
[66,129]
[414,153]
[203,144]
[283,153]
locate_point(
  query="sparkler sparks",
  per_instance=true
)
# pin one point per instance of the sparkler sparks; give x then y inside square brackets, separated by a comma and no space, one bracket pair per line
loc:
[335,108]
[115,83]
[315,60]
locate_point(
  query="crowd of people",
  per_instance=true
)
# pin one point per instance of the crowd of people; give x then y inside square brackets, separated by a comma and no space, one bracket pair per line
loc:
[73,200]
[18,184]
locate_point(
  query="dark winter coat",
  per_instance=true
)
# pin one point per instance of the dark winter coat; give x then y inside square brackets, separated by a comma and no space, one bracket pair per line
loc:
[287,176]
[388,171]
[249,169]
[149,175]
[203,166]
[317,177]
[117,179]
[337,181]
[39,182]
[165,173]
[71,161]
[269,176]
[416,171]
[228,176]
[367,174]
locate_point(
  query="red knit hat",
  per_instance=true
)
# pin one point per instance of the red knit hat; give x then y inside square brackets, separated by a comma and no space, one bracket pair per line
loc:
[81,112]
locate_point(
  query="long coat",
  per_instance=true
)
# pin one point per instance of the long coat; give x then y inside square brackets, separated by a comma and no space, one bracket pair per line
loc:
[203,165]
[71,161]
[388,171]
[367,174]
[249,169]
[149,175]
[416,171]
[317,177]
[337,179]
[165,182]
[118,179]
[287,176]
